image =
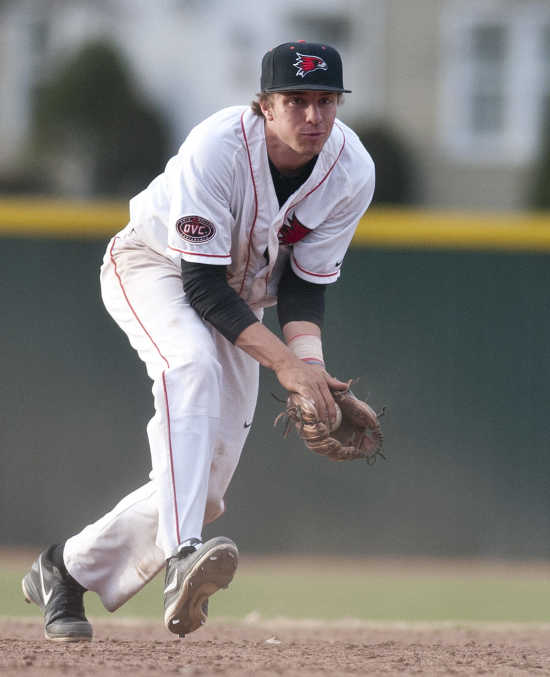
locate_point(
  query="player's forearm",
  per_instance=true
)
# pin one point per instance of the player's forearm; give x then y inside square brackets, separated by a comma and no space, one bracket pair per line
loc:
[263,345]
[296,375]
[300,327]
[304,339]
[298,300]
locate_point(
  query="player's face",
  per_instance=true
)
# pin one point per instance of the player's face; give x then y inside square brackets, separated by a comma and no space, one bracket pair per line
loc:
[301,121]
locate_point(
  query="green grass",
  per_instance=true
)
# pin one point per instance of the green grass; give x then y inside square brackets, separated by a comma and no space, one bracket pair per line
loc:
[327,591]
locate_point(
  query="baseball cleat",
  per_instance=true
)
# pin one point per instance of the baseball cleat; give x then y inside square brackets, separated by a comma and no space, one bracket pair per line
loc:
[60,598]
[192,576]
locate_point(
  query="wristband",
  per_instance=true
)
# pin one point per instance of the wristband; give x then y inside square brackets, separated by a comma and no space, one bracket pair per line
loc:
[308,348]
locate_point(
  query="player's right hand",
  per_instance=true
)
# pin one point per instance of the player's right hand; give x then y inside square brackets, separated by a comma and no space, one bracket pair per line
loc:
[312,382]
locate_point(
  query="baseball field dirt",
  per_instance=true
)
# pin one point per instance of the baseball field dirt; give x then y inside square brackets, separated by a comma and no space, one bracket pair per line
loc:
[302,617]
[287,648]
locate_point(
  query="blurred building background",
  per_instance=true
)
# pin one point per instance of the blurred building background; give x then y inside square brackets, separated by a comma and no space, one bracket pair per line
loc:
[452,95]
[451,331]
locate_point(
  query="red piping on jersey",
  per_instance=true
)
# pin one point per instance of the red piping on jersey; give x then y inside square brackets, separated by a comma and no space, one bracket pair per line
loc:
[172,474]
[307,195]
[255,205]
[163,381]
[323,179]
[217,256]
[309,272]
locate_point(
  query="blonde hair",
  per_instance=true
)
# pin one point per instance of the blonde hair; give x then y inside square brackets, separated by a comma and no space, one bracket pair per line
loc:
[262,98]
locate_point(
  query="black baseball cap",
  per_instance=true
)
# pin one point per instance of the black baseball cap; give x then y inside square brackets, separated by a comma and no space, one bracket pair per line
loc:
[302,66]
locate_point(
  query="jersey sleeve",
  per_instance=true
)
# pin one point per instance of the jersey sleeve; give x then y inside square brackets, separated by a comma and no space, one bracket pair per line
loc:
[199,184]
[318,257]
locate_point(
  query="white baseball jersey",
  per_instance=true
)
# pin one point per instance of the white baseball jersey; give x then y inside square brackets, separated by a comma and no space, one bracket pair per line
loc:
[216,203]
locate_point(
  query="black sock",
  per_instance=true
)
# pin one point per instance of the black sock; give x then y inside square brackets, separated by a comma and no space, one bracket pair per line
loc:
[55,554]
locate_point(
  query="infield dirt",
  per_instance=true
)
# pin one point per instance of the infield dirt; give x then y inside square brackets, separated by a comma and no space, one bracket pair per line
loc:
[286,648]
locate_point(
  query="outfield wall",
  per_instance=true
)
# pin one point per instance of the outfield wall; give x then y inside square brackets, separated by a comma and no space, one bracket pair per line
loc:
[444,317]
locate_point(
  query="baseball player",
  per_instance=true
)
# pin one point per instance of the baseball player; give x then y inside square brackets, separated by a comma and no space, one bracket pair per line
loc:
[257,208]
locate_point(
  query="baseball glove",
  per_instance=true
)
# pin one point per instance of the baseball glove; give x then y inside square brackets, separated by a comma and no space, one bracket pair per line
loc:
[356,433]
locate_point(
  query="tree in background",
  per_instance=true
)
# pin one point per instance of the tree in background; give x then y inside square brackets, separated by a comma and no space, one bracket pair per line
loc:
[392,162]
[93,130]
[540,192]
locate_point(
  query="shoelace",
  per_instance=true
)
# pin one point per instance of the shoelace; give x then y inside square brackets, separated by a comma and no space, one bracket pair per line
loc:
[186,551]
[188,547]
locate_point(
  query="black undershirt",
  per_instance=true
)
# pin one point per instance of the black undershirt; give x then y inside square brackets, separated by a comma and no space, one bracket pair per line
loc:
[206,286]
[288,182]
[298,299]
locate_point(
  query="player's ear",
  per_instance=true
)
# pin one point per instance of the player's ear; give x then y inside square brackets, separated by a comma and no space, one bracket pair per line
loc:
[266,106]
[266,110]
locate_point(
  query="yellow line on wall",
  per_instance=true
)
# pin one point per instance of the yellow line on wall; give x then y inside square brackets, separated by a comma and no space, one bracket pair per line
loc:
[380,227]
[35,217]
[454,230]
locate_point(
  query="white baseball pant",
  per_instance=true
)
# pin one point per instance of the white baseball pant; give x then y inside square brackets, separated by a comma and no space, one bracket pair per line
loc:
[205,391]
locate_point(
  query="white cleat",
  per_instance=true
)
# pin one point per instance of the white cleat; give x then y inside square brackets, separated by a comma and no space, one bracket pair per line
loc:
[192,576]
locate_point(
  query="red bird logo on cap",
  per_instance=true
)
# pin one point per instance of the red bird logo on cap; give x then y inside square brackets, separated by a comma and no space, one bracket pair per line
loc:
[307,63]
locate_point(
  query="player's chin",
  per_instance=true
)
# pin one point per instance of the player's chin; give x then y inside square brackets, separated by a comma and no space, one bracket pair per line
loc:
[312,143]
